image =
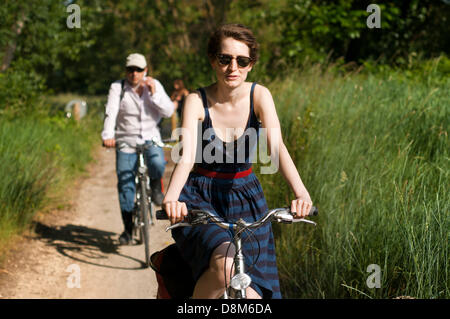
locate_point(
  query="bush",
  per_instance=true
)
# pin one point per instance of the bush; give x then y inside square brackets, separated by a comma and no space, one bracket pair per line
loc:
[20,93]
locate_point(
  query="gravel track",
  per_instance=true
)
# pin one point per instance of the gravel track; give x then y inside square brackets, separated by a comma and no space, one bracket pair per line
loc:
[74,252]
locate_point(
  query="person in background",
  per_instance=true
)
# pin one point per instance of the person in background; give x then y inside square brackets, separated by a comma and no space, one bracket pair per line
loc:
[178,96]
[134,108]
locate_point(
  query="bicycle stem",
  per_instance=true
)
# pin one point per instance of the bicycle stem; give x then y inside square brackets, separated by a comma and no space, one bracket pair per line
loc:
[239,262]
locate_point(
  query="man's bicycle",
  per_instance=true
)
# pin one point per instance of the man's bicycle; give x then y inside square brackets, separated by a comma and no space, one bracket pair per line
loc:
[240,280]
[142,215]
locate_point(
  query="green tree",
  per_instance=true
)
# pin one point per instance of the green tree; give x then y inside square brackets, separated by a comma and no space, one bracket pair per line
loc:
[173,34]
[319,28]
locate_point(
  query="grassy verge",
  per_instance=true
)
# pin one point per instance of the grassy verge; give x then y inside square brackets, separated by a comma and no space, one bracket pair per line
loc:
[41,155]
[373,152]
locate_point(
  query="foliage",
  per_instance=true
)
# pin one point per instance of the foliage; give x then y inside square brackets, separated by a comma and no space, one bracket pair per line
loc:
[317,28]
[20,92]
[173,35]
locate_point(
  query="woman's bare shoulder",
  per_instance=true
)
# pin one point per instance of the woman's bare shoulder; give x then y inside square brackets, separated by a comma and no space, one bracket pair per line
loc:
[261,91]
[262,99]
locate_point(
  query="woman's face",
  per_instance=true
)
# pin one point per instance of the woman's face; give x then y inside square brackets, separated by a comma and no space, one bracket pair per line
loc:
[232,75]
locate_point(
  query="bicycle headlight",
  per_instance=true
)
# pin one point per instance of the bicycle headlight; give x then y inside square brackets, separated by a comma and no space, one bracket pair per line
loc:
[240,281]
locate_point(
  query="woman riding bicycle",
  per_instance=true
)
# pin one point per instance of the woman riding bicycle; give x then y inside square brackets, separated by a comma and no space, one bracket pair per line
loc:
[220,182]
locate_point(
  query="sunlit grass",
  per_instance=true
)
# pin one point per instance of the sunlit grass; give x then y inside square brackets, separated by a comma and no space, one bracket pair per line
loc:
[40,156]
[373,153]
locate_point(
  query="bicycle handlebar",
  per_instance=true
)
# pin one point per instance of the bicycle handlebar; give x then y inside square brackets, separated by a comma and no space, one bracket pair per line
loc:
[197,217]
[153,141]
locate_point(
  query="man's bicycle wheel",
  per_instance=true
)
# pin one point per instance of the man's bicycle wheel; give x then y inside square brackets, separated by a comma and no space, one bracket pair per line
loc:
[137,233]
[144,212]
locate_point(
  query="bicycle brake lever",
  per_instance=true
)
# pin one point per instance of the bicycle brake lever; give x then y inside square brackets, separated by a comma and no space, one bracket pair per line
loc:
[197,218]
[190,220]
[283,217]
[288,218]
[177,225]
[303,220]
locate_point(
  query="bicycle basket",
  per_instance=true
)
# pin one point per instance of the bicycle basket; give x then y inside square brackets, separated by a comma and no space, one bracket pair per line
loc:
[173,274]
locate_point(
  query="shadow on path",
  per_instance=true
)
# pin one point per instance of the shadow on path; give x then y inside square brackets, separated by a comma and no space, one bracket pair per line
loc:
[83,244]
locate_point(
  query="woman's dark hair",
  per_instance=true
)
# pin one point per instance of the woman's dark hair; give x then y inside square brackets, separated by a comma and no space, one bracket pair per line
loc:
[236,31]
[180,83]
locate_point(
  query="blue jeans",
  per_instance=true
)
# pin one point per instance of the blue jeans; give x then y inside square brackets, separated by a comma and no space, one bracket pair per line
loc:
[126,167]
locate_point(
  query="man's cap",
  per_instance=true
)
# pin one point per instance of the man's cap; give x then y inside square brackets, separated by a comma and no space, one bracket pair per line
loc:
[136,59]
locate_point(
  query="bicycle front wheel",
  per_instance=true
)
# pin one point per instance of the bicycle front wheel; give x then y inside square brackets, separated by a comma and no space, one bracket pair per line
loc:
[145,213]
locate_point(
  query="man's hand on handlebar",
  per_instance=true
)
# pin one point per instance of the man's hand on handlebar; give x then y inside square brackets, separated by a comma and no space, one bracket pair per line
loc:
[109,143]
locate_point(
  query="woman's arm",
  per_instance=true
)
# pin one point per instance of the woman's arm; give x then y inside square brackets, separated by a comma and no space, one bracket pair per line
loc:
[193,113]
[266,112]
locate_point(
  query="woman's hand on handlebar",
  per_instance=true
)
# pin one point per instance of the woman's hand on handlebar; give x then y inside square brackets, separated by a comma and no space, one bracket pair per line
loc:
[301,207]
[176,211]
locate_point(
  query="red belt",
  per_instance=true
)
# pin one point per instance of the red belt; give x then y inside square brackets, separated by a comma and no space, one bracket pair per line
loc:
[221,175]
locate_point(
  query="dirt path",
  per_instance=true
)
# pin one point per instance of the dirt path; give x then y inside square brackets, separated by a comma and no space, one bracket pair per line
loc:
[74,253]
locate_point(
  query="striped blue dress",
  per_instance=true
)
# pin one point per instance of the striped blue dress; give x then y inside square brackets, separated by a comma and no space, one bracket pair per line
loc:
[230,199]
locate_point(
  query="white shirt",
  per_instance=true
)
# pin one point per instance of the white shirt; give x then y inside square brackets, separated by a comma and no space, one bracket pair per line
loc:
[135,118]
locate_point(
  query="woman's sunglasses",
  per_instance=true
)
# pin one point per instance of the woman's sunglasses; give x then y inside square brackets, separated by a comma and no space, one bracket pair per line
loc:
[225,59]
[132,69]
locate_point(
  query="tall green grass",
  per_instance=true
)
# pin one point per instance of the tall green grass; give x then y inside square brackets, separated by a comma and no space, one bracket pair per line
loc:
[39,156]
[373,153]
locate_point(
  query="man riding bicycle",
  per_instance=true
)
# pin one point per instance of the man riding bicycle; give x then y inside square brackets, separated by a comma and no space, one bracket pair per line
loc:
[134,108]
